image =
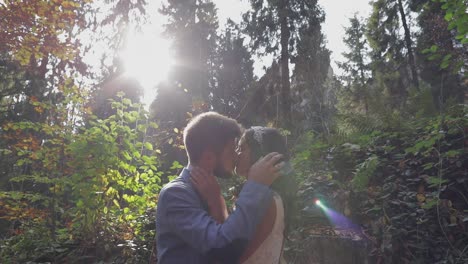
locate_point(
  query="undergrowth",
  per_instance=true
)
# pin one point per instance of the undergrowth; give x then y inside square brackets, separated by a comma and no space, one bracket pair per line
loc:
[406,187]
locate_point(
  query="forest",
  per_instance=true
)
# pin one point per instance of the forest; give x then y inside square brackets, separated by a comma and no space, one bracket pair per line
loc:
[383,141]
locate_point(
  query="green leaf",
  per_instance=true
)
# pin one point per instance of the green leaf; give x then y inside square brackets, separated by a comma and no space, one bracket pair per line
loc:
[453,153]
[435,181]
[126,155]
[171,177]
[445,61]
[429,203]
[126,101]
[110,191]
[154,125]
[448,16]
[148,146]
[176,165]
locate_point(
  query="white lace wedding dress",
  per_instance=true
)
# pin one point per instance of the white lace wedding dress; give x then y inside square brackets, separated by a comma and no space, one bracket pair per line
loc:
[270,251]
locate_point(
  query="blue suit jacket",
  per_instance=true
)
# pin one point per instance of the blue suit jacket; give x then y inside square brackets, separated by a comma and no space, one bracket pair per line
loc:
[186,233]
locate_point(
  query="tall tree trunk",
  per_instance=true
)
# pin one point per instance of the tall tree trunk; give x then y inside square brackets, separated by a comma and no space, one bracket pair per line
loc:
[414,73]
[285,84]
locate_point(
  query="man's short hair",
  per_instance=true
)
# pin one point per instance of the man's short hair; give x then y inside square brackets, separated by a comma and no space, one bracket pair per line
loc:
[209,131]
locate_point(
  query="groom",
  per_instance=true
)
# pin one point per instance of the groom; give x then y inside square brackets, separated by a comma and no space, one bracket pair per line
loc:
[186,233]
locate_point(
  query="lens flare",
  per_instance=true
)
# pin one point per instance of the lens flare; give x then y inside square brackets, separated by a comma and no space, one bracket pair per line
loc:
[337,220]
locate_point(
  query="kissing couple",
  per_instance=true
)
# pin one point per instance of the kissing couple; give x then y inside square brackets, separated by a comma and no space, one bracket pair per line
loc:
[192,221]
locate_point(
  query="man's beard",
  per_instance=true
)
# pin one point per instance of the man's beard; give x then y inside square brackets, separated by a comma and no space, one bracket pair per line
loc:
[220,172]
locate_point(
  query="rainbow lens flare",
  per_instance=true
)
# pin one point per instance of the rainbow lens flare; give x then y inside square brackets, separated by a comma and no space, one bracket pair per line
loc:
[337,220]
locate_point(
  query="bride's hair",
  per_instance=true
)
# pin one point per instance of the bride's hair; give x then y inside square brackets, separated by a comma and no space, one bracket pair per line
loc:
[263,140]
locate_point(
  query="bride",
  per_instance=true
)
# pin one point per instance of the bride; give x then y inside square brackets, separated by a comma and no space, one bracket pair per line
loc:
[266,246]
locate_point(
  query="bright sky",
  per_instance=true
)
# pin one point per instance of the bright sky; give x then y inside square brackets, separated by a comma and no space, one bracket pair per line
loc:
[141,55]
[337,14]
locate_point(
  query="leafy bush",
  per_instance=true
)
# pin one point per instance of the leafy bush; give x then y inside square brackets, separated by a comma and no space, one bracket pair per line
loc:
[90,186]
[407,192]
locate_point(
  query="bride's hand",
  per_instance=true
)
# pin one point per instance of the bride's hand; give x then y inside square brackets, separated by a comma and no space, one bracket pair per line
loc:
[205,184]
[266,169]
[210,191]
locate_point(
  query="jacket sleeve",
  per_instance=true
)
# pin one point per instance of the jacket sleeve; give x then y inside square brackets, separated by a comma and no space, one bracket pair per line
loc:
[197,228]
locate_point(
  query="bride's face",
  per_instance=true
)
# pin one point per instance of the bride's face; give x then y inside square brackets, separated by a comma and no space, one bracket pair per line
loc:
[243,161]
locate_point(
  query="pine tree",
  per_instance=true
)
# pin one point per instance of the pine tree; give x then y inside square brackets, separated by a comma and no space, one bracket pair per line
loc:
[273,27]
[312,95]
[409,45]
[442,55]
[389,65]
[356,67]
[192,28]
[234,74]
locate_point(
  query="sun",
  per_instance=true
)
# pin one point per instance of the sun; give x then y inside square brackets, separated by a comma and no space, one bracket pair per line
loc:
[147,58]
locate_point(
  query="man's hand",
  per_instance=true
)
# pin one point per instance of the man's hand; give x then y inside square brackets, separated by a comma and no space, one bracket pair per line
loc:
[266,169]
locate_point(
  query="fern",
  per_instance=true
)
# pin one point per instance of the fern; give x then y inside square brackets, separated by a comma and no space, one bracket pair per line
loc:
[364,172]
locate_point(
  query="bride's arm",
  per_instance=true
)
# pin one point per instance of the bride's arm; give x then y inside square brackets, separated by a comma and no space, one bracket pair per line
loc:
[210,191]
[218,209]
[264,228]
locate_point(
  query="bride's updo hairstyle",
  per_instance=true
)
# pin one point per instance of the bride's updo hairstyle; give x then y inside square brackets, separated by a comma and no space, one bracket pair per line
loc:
[264,140]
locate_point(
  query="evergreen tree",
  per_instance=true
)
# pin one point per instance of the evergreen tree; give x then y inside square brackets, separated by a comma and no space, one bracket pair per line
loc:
[389,65]
[274,27]
[311,92]
[192,28]
[263,105]
[234,74]
[409,44]
[442,55]
[356,67]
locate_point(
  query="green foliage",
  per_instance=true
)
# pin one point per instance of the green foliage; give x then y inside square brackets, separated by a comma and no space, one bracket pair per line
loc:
[121,177]
[233,71]
[421,103]
[364,172]
[457,16]
[407,190]
[92,186]
[449,18]
[356,67]
[32,243]
[306,155]
[282,27]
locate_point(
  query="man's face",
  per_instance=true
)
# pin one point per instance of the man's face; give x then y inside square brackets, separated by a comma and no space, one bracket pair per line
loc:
[226,161]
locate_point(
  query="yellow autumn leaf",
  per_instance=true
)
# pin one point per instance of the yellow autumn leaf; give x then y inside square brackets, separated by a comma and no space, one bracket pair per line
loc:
[420,197]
